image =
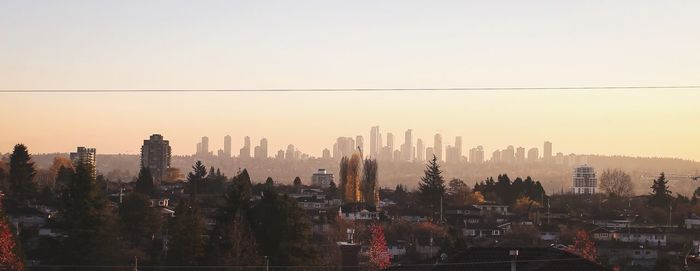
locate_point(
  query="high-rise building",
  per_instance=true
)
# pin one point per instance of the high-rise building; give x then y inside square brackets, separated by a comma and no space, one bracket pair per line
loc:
[322,178]
[533,155]
[520,154]
[559,159]
[244,153]
[375,142]
[227,146]
[87,158]
[360,144]
[280,155]
[451,154]
[584,180]
[508,155]
[390,141]
[437,146]
[458,147]
[429,153]
[476,155]
[407,147]
[496,156]
[204,146]
[289,155]
[547,151]
[261,150]
[397,155]
[346,146]
[326,154]
[420,150]
[155,155]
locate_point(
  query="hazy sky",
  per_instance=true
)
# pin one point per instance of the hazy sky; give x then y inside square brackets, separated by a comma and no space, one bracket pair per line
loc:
[346,44]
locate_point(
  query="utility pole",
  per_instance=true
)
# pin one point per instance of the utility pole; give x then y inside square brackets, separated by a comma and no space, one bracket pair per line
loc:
[267,264]
[513,260]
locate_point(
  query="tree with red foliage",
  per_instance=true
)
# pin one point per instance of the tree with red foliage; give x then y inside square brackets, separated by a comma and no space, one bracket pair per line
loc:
[379,257]
[584,245]
[8,247]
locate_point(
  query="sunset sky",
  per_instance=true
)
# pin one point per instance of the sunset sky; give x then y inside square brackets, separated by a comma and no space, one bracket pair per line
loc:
[352,44]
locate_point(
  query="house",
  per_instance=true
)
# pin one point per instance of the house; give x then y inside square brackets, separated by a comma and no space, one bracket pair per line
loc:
[647,236]
[549,232]
[356,211]
[485,230]
[499,259]
[397,249]
[160,202]
[692,222]
[604,234]
[489,208]
[635,254]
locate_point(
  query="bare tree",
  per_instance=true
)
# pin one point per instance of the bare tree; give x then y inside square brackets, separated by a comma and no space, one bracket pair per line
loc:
[616,182]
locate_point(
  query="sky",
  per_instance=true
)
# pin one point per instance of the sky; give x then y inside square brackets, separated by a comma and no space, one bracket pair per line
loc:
[351,44]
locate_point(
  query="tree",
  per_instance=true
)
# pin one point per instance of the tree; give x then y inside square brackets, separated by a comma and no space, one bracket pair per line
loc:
[139,221]
[87,221]
[22,173]
[369,186]
[297,182]
[283,231]
[172,174]
[332,190]
[432,185]
[58,163]
[8,246]
[144,183]
[196,178]
[584,245]
[524,204]
[186,235]
[232,241]
[379,257]
[662,264]
[352,184]
[660,195]
[616,182]
[458,191]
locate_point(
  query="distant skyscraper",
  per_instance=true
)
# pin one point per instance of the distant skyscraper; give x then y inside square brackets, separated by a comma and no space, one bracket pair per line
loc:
[407,147]
[155,155]
[86,157]
[289,155]
[204,149]
[520,154]
[476,155]
[375,142]
[533,155]
[326,154]
[261,150]
[346,146]
[336,151]
[227,146]
[458,147]
[547,151]
[390,141]
[437,146]
[429,153]
[584,180]
[508,155]
[245,150]
[420,150]
[496,156]
[280,155]
[360,144]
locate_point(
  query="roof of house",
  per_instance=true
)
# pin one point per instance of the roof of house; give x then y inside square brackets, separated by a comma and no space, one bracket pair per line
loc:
[528,259]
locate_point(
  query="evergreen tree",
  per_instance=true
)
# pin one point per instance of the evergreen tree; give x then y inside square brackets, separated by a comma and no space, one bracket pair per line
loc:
[432,185]
[144,183]
[332,190]
[269,182]
[186,247]
[9,251]
[196,178]
[660,195]
[297,182]
[502,189]
[231,241]
[139,221]
[283,231]
[87,222]
[21,175]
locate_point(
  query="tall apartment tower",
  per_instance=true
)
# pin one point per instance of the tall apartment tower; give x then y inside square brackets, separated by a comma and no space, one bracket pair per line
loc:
[261,150]
[533,155]
[227,146]
[458,147]
[420,150]
[547,151]
[244,153]
[476,155]
[437,146]
[584,180]
[155,155]
[205,146]
[85,157]
[520,154]
[375,142]
[360,144]
[407,147]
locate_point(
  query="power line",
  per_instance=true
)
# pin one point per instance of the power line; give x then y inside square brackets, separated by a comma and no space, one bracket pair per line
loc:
[597,88]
